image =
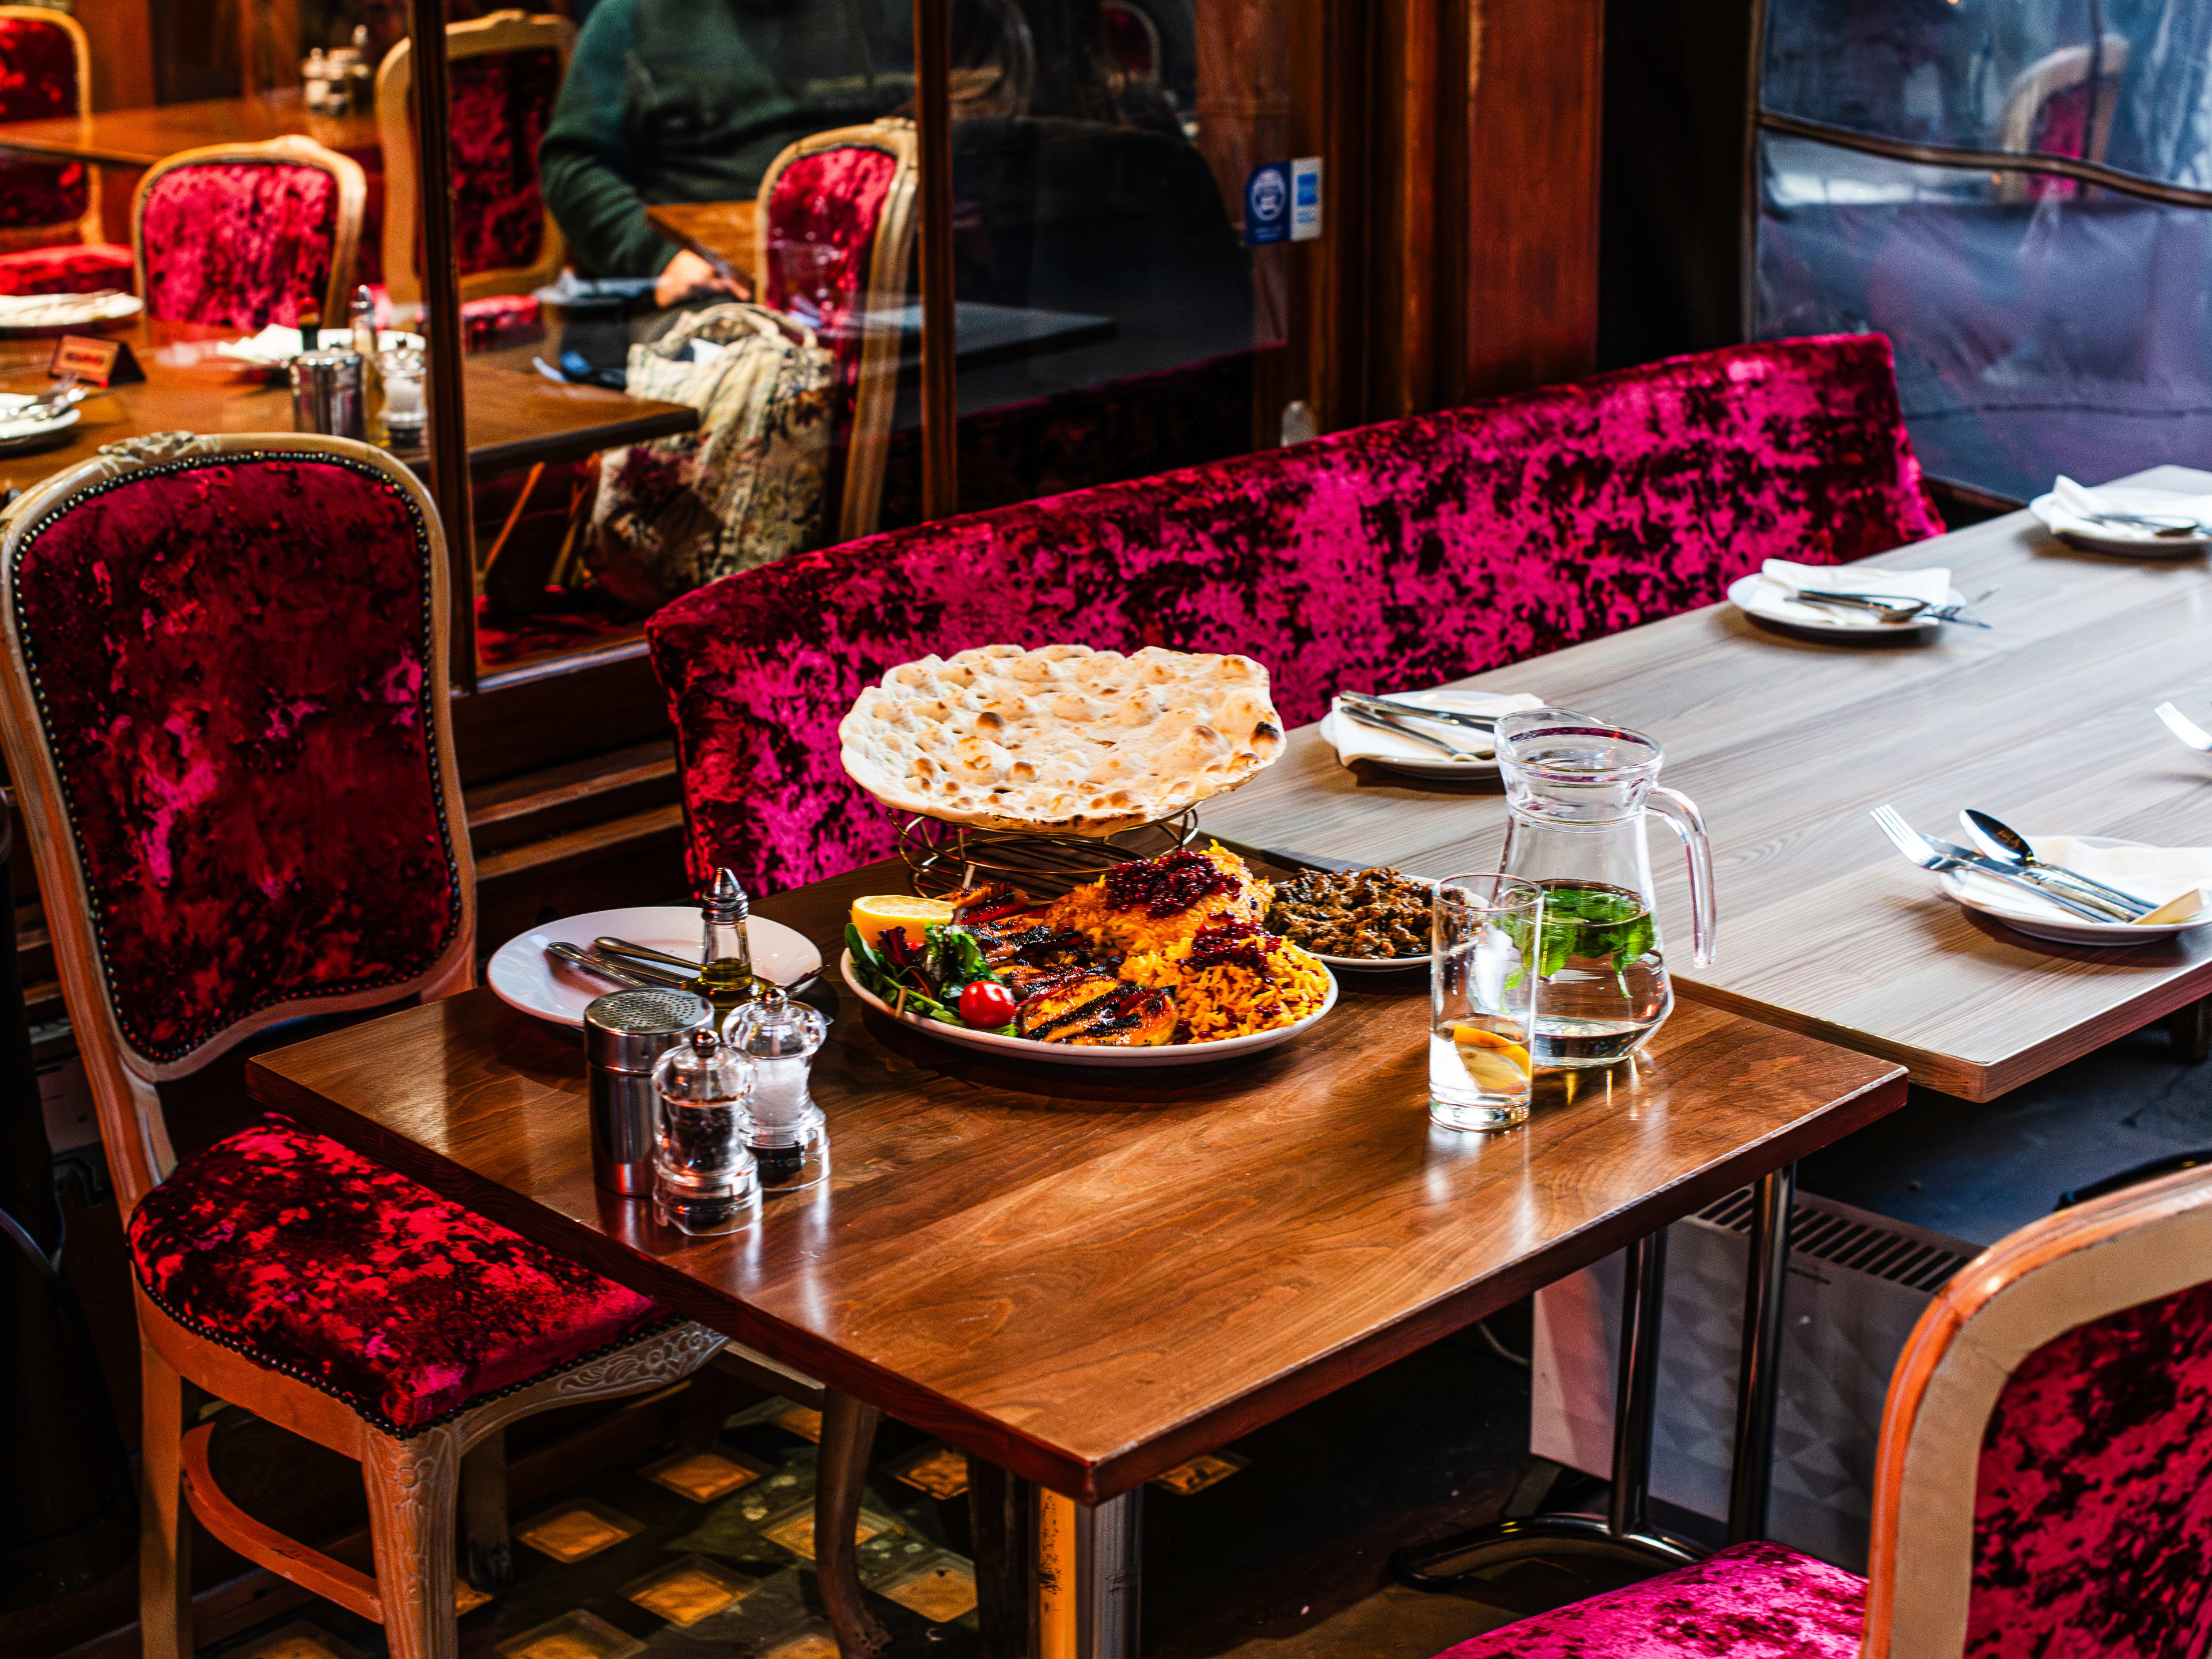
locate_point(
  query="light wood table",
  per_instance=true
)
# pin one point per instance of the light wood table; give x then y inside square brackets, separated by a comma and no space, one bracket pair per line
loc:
[1088,1276]
[140,137]
[1787,745]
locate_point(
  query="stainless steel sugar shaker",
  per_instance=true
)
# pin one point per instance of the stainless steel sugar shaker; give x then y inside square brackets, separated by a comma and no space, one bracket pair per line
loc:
[625,1033]
[327,394]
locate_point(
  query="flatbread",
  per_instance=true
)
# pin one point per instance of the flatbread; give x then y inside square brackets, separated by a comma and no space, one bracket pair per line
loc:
[1061,740]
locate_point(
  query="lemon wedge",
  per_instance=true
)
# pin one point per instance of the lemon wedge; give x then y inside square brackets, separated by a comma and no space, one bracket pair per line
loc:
[874,916]
[1493,1061]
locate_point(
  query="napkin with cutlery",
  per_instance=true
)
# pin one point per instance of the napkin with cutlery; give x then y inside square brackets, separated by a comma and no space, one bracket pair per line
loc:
[2155,874]
[2073,507]
[1356,742]
[1780,581]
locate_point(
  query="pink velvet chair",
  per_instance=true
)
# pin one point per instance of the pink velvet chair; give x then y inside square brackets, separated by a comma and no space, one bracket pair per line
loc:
[2044,1485]
[49,228]
[225,707]
[238,236]
[1386,558]
[505,71]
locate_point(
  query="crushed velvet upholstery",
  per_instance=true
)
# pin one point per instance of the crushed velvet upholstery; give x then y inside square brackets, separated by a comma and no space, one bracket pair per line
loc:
[37,79]
[239,244]
[502,101]
[818,226]
[69,268]
[2093,1500]
[230,658]
[1439,546]
[309,1259]
[1750,1601]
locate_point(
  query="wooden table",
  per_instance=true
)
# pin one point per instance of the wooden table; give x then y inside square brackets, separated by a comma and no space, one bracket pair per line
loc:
[720,233]
[514,420]
[140,137]
[1787,745]
[1088,1276]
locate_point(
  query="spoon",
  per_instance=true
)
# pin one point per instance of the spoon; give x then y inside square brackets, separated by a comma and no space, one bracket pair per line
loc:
[2008,846]
[641,979]
[2158,524]
[2184,728]
[1383,723]
[623,947]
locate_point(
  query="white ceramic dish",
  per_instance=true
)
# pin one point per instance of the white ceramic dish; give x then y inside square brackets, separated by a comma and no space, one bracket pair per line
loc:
[1372,964]
[2118,538]
[1749,594]
[66,310]
[523,977]
[1078,1053]
[2066,931]
[1438,765]
[11,431]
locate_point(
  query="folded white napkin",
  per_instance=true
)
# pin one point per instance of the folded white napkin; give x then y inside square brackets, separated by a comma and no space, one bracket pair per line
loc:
[278,344]
[2154,875]
[1356,741]
[2071,504]
[1779,580]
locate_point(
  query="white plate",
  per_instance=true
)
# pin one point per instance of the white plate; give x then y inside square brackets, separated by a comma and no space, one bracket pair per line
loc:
[11,430]
[2071,932]
[1746,594]
[1443,766]
[2118,538]
[1083,1054]
[1372,964]
[67,310]
[523,977]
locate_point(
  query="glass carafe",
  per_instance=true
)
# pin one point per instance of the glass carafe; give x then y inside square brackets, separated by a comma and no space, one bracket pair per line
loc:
[1577,792]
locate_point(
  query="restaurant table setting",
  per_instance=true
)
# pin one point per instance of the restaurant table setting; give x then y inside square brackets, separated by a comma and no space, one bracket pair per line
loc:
[33,421]
[1852,604]
[1424,734]
[2135,520]
[55,311]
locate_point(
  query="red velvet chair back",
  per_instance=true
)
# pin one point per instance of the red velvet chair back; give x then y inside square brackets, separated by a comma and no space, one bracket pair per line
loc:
[835,237]
[226,710]
[2045,1490]
[1386,558]
[45,72]
[243,235]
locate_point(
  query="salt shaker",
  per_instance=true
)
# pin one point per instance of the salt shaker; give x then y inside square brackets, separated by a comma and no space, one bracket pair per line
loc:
[703,1178]
[789,1138]
[625,1035]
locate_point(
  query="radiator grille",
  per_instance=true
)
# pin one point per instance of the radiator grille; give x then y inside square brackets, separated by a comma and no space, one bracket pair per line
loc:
[1845,1241]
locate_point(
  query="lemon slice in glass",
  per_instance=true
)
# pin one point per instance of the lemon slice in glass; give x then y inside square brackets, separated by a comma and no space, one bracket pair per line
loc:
[1494,1062]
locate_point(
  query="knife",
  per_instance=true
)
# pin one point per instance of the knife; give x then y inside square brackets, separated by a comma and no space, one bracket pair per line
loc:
[2012,875]
[1449,716]
[630,976]
[1389,723]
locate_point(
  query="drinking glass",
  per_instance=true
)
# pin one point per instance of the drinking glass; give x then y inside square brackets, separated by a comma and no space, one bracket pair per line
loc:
[1482,978]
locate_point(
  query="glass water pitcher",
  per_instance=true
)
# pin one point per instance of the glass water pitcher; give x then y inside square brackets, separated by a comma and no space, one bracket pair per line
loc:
[1577,792]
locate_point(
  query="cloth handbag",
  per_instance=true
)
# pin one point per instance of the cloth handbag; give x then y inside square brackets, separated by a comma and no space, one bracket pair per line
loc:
[746,487]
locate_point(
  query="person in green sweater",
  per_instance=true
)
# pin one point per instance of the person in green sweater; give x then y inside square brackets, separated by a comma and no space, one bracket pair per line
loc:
[688,101]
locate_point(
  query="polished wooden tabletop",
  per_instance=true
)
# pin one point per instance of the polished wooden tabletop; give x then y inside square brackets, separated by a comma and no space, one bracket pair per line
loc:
[720,233]
[140,137]
[1787,745]
[1088,1276]
[514,420]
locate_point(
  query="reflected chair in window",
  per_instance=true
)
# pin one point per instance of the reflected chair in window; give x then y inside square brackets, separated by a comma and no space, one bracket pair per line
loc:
[2062,104]
[836,239]
[1381,559]
[50,231]
[2043,1484]
[245,814]
[506,72]
[240,236]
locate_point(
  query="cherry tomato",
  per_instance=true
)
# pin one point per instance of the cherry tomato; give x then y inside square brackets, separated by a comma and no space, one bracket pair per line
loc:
[988,1004]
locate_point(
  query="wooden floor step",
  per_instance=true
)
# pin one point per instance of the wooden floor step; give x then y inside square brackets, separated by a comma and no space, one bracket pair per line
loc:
[635,860]
[575,795]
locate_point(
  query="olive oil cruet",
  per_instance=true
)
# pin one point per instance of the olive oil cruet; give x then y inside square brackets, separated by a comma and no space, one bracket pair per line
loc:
[726,956]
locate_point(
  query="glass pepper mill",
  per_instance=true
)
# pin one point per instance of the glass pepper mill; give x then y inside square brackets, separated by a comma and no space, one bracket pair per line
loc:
[703,1178]
[788,1135]
[726,954]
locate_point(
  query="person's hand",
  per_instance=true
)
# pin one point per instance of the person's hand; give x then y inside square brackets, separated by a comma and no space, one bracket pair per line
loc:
[687,274]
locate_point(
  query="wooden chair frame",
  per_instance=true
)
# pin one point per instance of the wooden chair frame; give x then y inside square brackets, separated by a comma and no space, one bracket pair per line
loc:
[500,31]
[875,392]
[293,150]
[2066,1270]
[87,227]
[413,1482]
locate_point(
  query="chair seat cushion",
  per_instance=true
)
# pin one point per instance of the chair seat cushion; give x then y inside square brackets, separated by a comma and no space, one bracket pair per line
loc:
[66,268]
[307,1258]
[1752,1602]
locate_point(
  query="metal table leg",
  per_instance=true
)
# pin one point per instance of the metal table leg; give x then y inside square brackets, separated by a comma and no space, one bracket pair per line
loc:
[1758,1376]
[1088,1586]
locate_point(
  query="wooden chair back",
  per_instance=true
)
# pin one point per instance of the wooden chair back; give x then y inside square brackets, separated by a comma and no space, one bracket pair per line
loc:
[845,270]
[46,69]
[2044,1480]
[2055,105]
[236,278]
[266,822]
[505,70]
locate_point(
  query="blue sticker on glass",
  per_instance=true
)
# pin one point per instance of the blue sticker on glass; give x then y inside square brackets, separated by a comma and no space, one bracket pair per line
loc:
[1268,204]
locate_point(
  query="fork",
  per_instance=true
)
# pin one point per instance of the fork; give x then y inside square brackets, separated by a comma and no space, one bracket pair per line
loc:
[1932,855]
[2184,728]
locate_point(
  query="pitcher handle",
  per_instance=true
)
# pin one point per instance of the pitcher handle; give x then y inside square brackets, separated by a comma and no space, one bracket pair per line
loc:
[1679,811]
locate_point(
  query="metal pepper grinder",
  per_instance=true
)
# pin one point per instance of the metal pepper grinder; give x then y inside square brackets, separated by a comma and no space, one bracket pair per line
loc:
[625,1033]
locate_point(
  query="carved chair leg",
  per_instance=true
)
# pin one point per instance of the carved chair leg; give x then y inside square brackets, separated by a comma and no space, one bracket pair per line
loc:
[414,1490]
[848,1434]
[164,1525]
[487,1558]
